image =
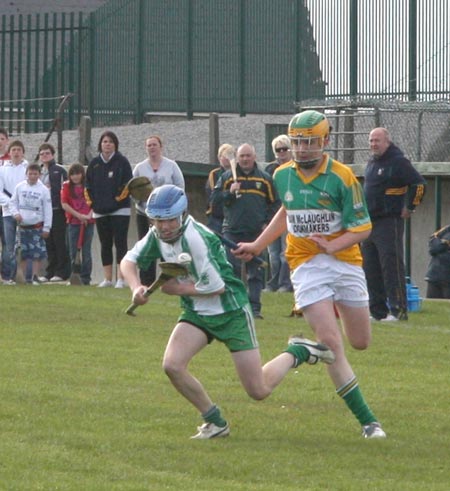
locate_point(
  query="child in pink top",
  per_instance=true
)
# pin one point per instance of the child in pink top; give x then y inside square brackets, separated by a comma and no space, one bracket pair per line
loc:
[79,219]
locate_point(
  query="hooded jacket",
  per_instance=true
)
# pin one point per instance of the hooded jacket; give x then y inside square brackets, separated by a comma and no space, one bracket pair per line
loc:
[439,249]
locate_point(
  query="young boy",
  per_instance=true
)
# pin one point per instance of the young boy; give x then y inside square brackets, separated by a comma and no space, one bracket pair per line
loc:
[53,175]
[11,173]
[215,306]
[31,207]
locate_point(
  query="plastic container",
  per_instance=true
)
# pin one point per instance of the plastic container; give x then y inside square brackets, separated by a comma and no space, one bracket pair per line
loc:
[414,299]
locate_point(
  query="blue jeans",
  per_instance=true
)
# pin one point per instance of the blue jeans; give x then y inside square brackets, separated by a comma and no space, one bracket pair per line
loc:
[6,275]
[279,269]
[9,265]
[86,250]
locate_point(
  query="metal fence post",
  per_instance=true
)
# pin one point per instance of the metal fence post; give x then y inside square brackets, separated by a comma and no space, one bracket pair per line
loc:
[412,74]
[189,109]
[213,137]
[353,65]
[139,63]
[84,131]
[91,67]
[242,68]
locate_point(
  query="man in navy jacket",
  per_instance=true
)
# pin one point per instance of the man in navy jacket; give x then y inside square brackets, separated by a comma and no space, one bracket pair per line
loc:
[393,188]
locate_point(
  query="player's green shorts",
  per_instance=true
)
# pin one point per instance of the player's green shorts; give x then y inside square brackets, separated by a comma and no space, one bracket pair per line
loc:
[235,329]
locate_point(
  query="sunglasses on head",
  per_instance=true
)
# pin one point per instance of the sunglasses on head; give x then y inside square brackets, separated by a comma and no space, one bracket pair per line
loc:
[281,149]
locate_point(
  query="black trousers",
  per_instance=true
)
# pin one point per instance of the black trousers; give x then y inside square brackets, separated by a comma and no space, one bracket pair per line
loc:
[147,276]
[438,289]
[384,267]
[113,231]
[57,249]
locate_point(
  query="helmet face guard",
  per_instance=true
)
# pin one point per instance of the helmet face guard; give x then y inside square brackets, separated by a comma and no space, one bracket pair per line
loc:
[168,202]
[306,152]
[309,132]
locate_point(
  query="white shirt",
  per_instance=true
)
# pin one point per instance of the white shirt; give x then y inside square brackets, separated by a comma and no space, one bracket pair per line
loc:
[168,172]
[33,203]
[10,175]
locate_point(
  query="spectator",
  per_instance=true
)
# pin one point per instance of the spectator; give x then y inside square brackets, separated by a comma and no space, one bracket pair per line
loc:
[12,172]
[438,274]
[249,205]
[4,143]
[53,175]
[225,154]
[279,270]
[31,207]
[326,218]
[160,170]
[4,157]
[79,219]
[393,189]
[106,179]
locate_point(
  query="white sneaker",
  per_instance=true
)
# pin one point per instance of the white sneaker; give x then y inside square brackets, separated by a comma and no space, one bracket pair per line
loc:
[210,430]
[105,284]
[317,351]
[390,318]
[56,279]
[43,279]
[36,281]
[120,283]
[9,282]
[373,430]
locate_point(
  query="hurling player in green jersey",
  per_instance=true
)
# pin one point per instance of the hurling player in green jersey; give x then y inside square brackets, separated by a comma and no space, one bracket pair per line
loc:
[215,306]
[325,215]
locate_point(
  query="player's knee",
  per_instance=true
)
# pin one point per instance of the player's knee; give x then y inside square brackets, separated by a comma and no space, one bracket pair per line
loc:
[257,393]
[171,368]
[360,344]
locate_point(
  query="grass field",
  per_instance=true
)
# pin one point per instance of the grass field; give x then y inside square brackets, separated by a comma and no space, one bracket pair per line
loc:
[84,404]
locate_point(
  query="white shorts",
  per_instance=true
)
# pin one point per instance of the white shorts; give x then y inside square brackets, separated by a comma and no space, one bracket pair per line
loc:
[325,277]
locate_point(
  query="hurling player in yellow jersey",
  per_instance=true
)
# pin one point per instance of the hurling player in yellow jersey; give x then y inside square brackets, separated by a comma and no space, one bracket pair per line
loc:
[325,215]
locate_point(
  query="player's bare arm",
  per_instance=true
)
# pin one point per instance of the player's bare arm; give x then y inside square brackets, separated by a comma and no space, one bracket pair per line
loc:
[187,288]
[340,243]
[130,273]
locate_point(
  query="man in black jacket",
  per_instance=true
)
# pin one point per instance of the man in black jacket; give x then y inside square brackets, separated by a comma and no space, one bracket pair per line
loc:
[249,203]
[393,189]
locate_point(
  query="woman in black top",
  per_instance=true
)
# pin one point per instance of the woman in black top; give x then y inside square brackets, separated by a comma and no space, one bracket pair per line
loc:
[106,179]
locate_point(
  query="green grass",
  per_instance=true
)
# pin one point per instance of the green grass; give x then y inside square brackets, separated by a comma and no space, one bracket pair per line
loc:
[84,404]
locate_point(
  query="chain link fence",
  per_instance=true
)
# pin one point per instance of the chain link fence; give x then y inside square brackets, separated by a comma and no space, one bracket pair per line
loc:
[420,129]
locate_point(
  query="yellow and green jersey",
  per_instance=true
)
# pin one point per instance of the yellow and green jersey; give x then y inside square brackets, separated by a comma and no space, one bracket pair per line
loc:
[330,203]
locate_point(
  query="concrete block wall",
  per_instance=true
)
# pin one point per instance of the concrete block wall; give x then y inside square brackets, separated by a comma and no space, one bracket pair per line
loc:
[423,222]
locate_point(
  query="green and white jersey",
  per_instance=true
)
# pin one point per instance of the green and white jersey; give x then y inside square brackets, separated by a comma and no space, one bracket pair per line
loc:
[330,203]
[209,269]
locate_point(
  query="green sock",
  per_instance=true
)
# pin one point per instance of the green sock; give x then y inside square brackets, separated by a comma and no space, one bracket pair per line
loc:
[213,416]
[352,395]
[300,353]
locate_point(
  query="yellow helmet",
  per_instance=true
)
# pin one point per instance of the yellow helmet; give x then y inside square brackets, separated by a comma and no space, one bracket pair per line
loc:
[309,124]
